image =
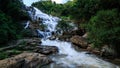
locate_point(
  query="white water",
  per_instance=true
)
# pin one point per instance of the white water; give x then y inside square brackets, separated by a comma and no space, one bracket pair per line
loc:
[68,57]
[27,24]
[47,20]
[74,59]
[44,34]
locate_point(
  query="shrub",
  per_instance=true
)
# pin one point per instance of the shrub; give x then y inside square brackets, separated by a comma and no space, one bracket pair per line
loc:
[11,13]
[3,55]
[64,25]
[104,28]
[42,27]
[27,33]
[4,28]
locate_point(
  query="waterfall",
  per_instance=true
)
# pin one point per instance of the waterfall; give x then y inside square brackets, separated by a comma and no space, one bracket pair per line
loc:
[48,21]
[67,57]
[27,24]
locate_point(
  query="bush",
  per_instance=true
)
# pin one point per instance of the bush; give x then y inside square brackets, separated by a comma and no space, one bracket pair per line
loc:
[4,28]
[11,13]
[14,9]
[42,27]
[27,33]
[64,26]
[9,53]
[3,55]
[104,28]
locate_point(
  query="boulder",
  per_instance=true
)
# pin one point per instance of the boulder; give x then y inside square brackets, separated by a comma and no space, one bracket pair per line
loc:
[108,51]
[96,52]
[64,37]
[79,32]
[85,35]
[93,50]
[25,60]
[90,47]
[34,41]
[46,50]
[79,41]
[52,37]
[30,44]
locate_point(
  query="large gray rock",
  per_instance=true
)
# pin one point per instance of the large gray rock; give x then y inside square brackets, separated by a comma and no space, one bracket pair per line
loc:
[46,50]
[79,41]
[25,60]
[33,41]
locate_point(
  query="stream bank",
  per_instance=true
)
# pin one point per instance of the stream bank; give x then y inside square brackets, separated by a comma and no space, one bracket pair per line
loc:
[64,55]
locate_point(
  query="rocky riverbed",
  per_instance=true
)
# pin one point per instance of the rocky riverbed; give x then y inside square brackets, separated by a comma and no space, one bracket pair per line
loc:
[36,49]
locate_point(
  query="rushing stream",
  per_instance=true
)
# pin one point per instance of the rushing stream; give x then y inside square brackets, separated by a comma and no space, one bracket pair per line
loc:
[67,57]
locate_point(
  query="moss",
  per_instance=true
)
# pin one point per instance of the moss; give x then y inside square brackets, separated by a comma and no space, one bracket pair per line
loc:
[3,55]
[9,53]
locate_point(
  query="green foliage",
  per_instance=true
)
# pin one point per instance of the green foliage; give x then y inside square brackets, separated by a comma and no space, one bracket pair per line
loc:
[110,4]
[104,28]
[11,13]
[8,53]
[26,33]
[23,43]
[85,9]
[52,8]
[3,55]
[45,6]
[14,9]
[64,26]
[100,17]
[42,27]
[6,29]
[14,52]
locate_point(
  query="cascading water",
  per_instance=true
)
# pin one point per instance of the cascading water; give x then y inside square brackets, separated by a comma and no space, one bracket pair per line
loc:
[27,24]
[67,57]
[48,21]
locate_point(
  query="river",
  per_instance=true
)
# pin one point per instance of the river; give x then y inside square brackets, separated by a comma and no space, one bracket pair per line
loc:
[67,57]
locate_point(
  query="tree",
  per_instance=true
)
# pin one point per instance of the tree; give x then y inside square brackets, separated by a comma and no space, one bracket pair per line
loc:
[5,28]
[11,13]
[104,28]
[14,9]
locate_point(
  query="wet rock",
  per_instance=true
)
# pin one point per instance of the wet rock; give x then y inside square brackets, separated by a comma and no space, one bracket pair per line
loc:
[64,37]
[90,48]
[25,60]
[79,32]
[79,41]
[34,33]
[108,51]
[31,44]
[85,35]
[47,50]
[96,52]
[52,37]
[93,50]
[116,61]
[34,41]
[34,25]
